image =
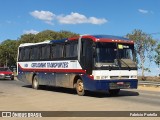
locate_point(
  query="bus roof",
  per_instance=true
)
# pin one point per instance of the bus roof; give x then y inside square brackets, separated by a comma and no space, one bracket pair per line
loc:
[105,38]
[110,36]
[30,44]
[95,38]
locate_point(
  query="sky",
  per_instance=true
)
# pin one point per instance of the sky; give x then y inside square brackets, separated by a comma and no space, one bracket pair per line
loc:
[111,17]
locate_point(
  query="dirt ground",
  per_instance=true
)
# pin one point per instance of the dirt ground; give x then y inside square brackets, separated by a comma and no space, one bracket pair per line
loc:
[149,88]
[149,78]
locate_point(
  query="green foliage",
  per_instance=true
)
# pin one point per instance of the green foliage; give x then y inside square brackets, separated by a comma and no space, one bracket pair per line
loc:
[8,52]
[144,46]
[45,35]
[8,48]
[157,56]
[26,38]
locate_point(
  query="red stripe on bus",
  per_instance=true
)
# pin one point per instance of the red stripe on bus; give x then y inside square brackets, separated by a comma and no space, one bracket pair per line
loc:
[104,39]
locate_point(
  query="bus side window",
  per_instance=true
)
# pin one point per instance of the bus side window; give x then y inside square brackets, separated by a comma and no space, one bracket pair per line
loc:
[21,54]
[31,54]
[34,54]
[71,50]
[57,51]
[26,54]
[48,51]
[83,48]
[45,52]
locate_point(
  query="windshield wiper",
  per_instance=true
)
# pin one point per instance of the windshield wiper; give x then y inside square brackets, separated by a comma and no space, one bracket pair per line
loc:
[129,68]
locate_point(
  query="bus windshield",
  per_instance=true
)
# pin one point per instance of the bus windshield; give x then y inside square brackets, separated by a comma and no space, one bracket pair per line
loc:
[108,52]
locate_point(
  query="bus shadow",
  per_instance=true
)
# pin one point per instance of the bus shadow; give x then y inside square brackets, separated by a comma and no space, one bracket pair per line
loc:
[54,89]
[6,80]
[123,93]
[27,86]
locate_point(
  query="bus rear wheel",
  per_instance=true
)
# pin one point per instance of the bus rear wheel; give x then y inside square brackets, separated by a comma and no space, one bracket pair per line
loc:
[114,92]
[35,83]
[80,87]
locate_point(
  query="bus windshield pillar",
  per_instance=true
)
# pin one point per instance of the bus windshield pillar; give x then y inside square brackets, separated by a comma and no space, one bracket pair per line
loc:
[79,47]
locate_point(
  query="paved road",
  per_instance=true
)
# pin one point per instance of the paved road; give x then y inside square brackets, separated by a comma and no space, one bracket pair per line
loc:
[18,96]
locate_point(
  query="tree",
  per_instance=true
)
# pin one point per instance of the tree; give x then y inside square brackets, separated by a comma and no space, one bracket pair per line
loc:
[45,35]
[26,38]
[157,56]
[52,35]
[144,46]
[8,52]
[67,34]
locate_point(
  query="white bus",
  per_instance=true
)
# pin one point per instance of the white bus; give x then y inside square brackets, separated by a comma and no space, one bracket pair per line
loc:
[88,62]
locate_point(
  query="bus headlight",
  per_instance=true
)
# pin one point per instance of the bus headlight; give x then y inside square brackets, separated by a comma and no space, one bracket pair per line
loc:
[97,77]
[104,77]
[101,77]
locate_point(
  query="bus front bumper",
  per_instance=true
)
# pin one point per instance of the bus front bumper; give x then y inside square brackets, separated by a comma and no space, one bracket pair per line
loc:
[118,84]
[98,85]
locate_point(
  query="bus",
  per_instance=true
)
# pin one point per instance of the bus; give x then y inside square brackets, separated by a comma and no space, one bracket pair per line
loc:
[84,63]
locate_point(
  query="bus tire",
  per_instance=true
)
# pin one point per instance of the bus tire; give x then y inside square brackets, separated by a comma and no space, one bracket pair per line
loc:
[80,87]
[114,92]
[35,83]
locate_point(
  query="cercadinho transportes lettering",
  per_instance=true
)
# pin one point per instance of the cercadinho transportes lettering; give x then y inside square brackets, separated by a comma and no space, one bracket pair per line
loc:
[50,65]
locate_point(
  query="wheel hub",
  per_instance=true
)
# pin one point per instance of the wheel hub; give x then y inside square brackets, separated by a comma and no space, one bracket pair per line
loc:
[80,86]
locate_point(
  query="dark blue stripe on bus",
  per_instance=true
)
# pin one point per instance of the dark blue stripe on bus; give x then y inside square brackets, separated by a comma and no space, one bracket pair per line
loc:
[58,41]
[110,37]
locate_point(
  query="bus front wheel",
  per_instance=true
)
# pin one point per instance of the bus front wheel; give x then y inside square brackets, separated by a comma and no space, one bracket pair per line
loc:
[35,84]
[80,87]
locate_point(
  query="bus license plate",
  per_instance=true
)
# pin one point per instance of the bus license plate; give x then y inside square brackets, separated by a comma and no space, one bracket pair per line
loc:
[119,85]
